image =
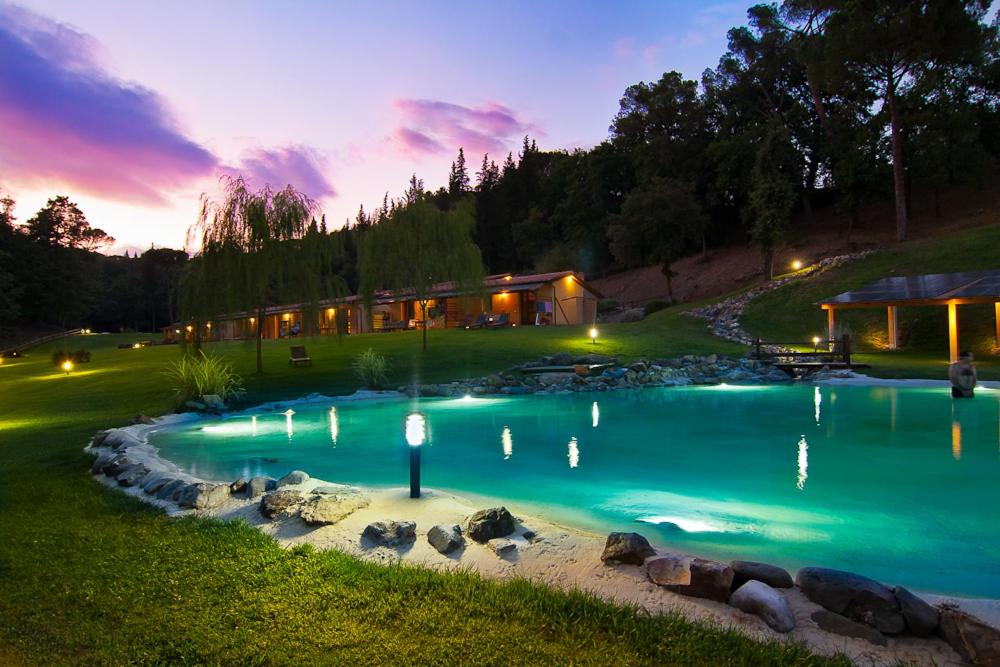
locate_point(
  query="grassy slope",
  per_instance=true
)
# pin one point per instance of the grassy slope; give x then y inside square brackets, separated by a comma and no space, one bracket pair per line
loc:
[88,575]
[789,313]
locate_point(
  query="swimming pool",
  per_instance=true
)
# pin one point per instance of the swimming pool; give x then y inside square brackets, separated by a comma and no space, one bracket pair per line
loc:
[900,484]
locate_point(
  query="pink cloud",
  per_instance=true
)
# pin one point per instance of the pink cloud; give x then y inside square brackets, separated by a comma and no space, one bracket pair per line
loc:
[433,127]
[298,166]
[66,120]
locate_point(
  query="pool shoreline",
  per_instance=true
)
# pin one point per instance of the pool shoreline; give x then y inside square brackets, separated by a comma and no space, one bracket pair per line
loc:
[566,556]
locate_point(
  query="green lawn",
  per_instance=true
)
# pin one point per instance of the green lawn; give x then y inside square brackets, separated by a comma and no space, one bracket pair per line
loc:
[91,576]
[790,313]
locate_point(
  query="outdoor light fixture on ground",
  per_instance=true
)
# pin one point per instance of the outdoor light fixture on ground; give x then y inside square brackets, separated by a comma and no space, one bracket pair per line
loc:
[416,433]
[593,335]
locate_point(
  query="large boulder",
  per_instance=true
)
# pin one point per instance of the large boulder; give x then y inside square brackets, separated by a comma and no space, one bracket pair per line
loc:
[203,495]
[695,577]
[259,485]
[845,627]
[487,524]
[972,639]
[213,402]
[294,477]
[851,595]
[772,575]
[631,548]
[502,547]
[390,533]
[757,598]
[446,538]
[132,475]
[153,483]
[171,490]
[921,618]
[327,509]
[103,459]
[562,359]
[280,503]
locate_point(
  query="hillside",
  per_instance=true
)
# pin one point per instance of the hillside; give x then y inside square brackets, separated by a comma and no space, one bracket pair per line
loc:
[723,270]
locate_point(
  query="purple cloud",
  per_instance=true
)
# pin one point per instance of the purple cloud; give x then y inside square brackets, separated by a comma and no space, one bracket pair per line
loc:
[65,119]
[296,165]
[433,126]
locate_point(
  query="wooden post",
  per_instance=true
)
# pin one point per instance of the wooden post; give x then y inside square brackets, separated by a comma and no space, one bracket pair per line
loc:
[996,316]
[953,331]
[845,344]
[757,343]
[893,329]
[830,323]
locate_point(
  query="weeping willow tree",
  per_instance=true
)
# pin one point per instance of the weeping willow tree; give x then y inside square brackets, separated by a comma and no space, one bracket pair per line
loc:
[257,250]
[417,247]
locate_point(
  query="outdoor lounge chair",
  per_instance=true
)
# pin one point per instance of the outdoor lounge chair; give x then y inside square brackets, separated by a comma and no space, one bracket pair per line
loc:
[479,322]
[298,355]
[499,322]
[466,322]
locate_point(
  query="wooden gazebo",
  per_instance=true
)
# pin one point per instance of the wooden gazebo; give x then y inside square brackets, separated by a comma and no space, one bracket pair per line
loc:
[937,289]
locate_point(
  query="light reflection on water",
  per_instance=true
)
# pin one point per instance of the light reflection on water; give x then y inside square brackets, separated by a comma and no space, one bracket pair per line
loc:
[904,473]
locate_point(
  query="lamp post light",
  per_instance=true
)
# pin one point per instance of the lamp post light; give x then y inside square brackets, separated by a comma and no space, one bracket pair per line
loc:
[67,366]
[416,433]
[815,343]
[593,335]
[796,264]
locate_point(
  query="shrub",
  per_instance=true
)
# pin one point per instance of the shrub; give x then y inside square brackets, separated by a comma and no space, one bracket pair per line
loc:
[604,305]
[77,357]
[371,368]
[653,306]
[200,374]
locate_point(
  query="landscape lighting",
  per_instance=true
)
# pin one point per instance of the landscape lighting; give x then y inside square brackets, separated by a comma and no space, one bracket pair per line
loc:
[816,340]
[593,335]
[796,264]
[416,433]
[67,366]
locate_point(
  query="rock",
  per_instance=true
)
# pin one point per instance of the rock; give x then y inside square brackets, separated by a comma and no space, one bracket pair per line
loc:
[202,495]
[494,381]
[328,489]
[921,618]
[281,503]
[562,359]
[391,533]
[132,475]
[757,598]
[772,575]
[327,509]
[213,402]
[845,627]
[103,459]
[171,490]
[294,477]
[631,548]
[529,535]
[856,597]
[486,524]
[972,639]
[153,483]
[502,547]
[446,538]
[194,405]
[239,486]
[140,419]
[258,485]
[695,577]
[99,438]
[549,379]
[116,466]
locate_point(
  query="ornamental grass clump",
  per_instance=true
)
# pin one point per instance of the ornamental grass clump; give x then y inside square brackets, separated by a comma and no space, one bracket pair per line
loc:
[200,375]
[371,368]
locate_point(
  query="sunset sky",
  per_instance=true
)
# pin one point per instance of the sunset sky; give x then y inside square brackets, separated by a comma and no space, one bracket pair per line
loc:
[133,109]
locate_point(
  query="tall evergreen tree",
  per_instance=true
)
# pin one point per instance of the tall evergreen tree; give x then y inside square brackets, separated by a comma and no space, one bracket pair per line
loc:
[458,179]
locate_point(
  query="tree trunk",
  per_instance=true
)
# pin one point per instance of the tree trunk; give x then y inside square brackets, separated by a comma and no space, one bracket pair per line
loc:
[768,257]
[197,335]
[260,339]
[670,282]
[423,312]
[898,175]
[820,108]
[704,244]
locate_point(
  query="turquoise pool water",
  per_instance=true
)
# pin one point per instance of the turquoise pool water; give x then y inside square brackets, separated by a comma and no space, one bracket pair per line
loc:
[899,484]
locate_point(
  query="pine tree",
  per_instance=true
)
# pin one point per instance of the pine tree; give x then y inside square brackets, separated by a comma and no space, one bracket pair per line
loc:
[458,179]
[322,224]
[508,165]
[488,174]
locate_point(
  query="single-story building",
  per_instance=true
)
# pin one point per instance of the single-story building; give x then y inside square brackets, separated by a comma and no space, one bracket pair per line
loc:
[557,298]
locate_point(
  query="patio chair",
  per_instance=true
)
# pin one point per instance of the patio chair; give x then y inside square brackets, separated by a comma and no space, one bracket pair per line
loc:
[499,322]
[466,322]
[298,356]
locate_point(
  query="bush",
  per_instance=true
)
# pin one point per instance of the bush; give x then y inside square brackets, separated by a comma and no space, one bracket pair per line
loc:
[200,374]
[604,305]
[371,368]
[78,357]
[653,306]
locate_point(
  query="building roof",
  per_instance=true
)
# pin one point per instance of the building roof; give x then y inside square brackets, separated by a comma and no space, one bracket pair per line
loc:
[924,290]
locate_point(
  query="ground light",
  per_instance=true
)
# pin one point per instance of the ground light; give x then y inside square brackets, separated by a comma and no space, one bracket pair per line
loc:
[67,366]
[416,433]
[593,335]
[796,264]
[815,343]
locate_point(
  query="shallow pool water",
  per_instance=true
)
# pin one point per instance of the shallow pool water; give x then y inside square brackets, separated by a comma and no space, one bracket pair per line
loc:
[899,484]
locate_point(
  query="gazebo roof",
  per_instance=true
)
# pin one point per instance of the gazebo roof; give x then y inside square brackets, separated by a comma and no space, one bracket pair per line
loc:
[933,289]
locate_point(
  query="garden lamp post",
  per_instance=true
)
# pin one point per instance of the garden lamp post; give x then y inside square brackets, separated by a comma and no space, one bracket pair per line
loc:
[67,366]
[593,335]
[416,433]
